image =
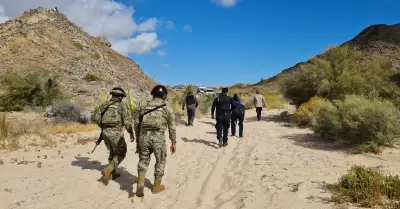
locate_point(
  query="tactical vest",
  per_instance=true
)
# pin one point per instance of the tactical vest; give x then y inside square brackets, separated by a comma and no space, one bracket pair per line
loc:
[190,100]
[112,116]
[223,104]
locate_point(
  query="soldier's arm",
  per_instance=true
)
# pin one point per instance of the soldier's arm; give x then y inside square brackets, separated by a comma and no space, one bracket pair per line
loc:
[171,125]
[127,120]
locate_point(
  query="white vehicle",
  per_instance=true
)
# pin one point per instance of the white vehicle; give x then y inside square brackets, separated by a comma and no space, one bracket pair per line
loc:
[201,90]
[210,92]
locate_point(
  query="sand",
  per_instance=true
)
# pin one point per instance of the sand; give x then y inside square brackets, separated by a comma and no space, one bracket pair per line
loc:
[273,166]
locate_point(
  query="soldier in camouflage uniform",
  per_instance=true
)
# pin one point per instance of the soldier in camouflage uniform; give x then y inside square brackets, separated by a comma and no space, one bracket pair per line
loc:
[115,117]
[151,128]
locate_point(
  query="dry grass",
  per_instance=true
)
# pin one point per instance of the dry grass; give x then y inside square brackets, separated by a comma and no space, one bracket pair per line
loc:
[7,139]
[69,128]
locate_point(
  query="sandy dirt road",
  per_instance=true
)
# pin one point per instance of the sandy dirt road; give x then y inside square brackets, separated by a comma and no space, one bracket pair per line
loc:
[273,166]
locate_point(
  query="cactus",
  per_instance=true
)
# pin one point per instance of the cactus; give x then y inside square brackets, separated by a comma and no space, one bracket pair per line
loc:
[103,99]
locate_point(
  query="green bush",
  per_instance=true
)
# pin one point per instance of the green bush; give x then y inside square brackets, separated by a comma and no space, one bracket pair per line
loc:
[339,72]
[205,103]
[274,100]
[359,121]
[78,45]
[91,77]
[368,187]
[304,115]
[32,89]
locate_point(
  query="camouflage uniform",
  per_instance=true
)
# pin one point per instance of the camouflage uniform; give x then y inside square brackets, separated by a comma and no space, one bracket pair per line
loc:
[113,133]
[152,139]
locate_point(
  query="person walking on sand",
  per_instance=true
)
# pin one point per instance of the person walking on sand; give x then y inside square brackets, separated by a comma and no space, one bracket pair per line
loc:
[113,117]
[222,105]
[259,103]
[237,114]
[191,103]
[152,119]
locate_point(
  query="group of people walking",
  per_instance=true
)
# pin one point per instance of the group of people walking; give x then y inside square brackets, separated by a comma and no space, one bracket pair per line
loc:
[150,121]
[148,125]
[227,111]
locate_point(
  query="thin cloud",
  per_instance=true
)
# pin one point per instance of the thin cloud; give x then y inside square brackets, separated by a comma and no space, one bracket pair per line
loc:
[226,3]
[162,53]
[187,28]
[165,66]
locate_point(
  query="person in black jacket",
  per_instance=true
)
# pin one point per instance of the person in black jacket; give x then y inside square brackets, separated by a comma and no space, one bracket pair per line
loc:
[191,103]
[223,106]
[237,114]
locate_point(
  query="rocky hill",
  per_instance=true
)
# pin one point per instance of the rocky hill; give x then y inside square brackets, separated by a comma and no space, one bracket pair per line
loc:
[44,39]
[376,40]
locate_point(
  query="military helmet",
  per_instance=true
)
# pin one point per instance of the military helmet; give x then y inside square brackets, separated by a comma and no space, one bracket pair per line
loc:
[117,91]
[159,91]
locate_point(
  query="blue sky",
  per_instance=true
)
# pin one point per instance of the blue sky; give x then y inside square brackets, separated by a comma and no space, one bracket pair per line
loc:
[251,40]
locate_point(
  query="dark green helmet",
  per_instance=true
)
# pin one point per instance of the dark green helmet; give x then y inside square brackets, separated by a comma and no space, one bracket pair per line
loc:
[159,91]
[117,91]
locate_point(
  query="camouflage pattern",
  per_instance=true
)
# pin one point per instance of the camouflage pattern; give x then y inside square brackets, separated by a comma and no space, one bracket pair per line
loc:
[114,121]
[152,138]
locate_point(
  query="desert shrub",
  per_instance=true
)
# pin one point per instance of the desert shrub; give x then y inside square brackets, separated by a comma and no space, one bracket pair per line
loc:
[205,103]
[65,110]
[91,77]
[78,45]
[7,139]
[339,72]
[368,187]
[32,89]
[359,121]
[96,56]
[248,102]
[274,100]
[306,112]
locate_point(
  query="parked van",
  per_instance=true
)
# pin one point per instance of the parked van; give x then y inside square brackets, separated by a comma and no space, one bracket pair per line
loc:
[201,90]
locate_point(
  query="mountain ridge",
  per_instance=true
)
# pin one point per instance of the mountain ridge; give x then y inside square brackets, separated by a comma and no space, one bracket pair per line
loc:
[44,39]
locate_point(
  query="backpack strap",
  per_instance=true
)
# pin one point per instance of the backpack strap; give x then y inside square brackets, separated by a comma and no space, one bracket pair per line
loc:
[147,112]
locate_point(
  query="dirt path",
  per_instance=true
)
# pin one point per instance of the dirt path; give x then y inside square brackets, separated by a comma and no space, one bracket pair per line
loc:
[273,166]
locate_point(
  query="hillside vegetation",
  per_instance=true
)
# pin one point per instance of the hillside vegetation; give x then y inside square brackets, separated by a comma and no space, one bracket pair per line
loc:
[44,40]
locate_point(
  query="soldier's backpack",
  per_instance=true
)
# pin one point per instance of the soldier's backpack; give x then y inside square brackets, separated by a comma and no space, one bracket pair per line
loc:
[111,116]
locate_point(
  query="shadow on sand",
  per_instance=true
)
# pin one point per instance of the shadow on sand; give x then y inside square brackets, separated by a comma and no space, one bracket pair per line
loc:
[126,180]
[313,141]
[208,123]
[201,141]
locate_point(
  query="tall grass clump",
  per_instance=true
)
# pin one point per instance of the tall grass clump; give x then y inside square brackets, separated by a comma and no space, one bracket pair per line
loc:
[367,187]
[31,89]
[7,139]
[359,121]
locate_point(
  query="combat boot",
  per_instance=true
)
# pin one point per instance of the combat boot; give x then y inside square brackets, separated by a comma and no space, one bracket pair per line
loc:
[158,187]
[106,175]
[140,184]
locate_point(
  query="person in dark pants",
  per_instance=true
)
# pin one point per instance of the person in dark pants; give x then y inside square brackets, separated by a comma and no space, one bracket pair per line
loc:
[259,103]
[238,113]
[191,103]
[223,106]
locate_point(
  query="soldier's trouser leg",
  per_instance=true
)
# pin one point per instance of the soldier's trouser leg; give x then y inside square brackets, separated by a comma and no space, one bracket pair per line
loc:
[119,149]
[160,152]
[144,161]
